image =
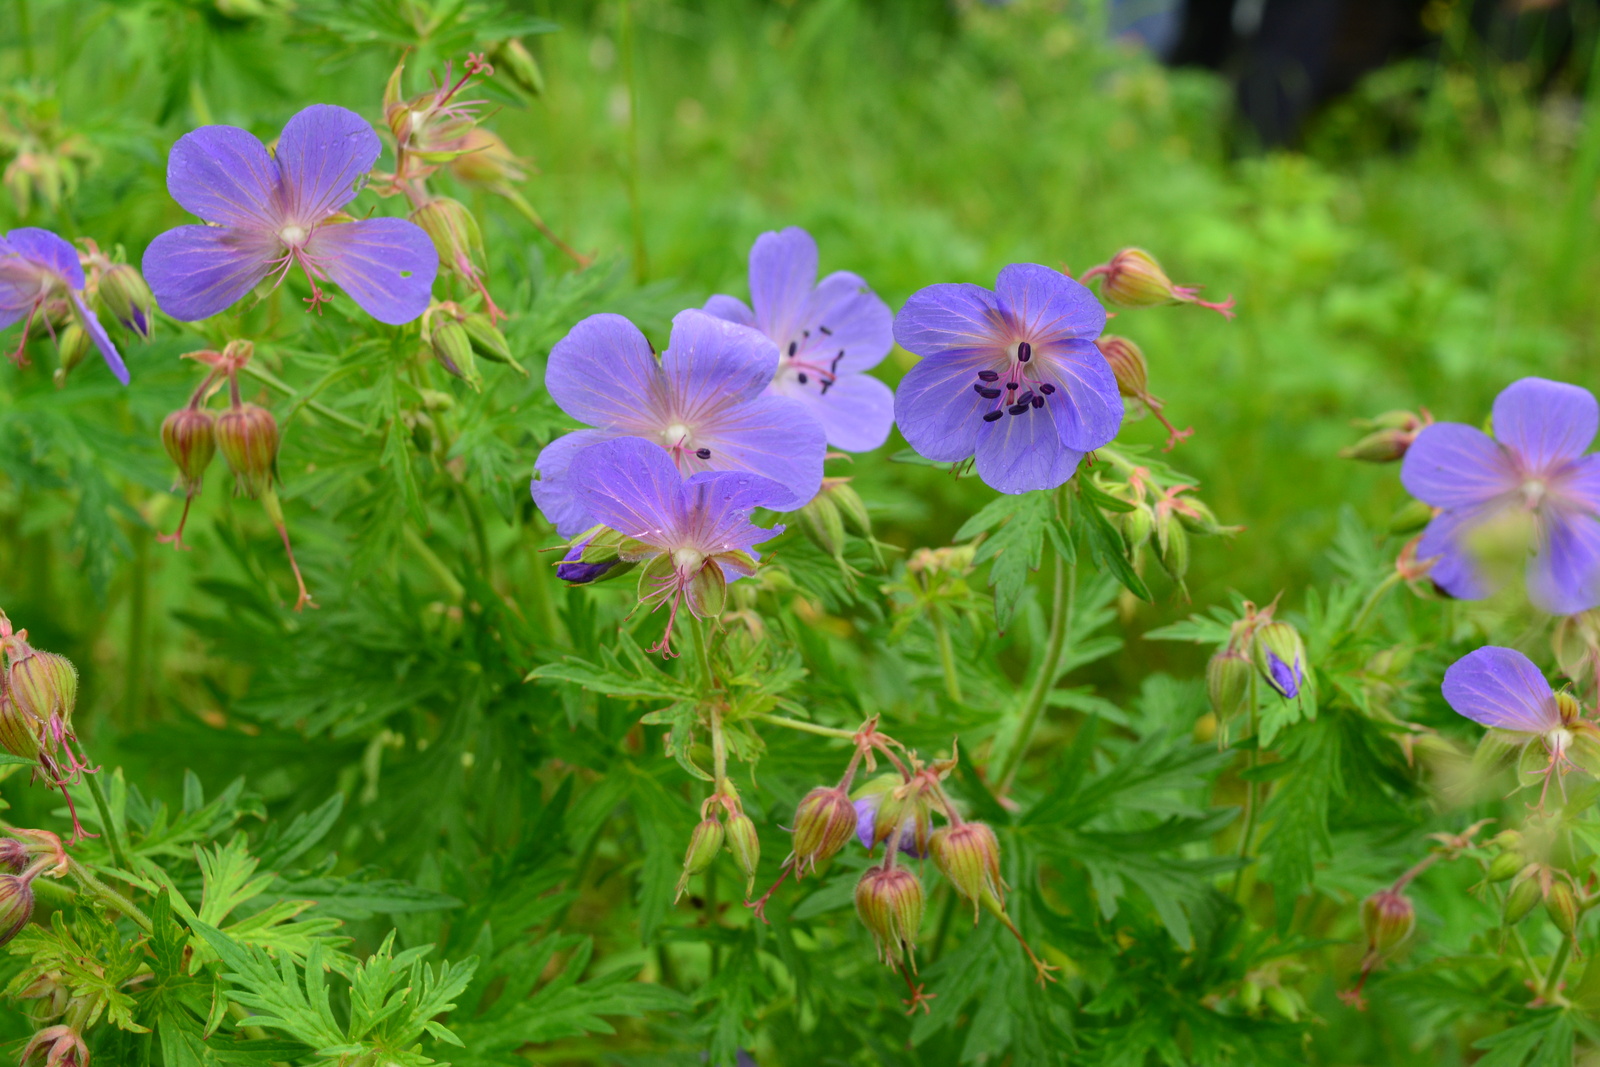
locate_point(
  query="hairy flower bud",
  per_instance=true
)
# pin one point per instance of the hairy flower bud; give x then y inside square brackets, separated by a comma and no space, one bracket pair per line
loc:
[969,856]
[1137,526]
[73,346]
[512,58]
[824,524]
[189,435]
[19,731]
[1561,904]
[1280,657]
[889,902]
[125,295]
[595,556]
[1521,898]
[1127,364]
[1506,865]
[745,844]
[1387,918]
[455,233]
[44,685]
[14,855]
[1134,279]
[1172,545]
[248,438]
[1380,446]
[16,905]
[487,161]
[823,822]
[879,811]
[452,346]
[1228,683]
[1409,518]
[488,341]
[704,844]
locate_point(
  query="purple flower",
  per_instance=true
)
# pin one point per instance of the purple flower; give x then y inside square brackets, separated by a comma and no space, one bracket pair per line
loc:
[866,821]
[573,570]
[36,266]
[829,332]
[1535,466]
[1502,689]
[1011,377]
[1282,677]
[269,214]
[703,404]
[695,533]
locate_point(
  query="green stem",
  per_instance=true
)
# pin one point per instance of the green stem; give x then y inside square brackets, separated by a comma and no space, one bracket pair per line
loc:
[1552,981]
[1065,589]
[432,561]
[1250,805]
[138,612]
[641,261]
[806,727]
[315,405]
[1372,601]
[711,916]
[700,634]
[947,656]
[113,840]
[111,897]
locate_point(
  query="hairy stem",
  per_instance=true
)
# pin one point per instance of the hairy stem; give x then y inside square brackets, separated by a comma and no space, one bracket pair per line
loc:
[947,656]
[111,897]
[1552,980]
[805,727]
[1250,805]
[1061,604]
[113,839]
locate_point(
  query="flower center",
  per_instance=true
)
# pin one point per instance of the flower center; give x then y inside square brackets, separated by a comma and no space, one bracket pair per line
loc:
[1533,493]
[1015,390]
[293,236]
[675,438]
[687,559]
[801,365]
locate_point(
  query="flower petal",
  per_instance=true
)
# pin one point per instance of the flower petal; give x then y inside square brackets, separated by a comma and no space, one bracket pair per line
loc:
[97,334]
[553,489]
[197,271]
[1019,453]
[1545,423]
[772,436]
[1048,305]
[1502,689]
[323,155]
[1087,407]
[633,487]
[783,269]
[1452,465]
[22,285]
[845,315]
[719,505]
[952,319]
[856,413]
[1579,484]
[48,251]
[223,174]
[936,408]
[730,309]
[387,266]
[603,373]
[1564,575]
[710,363]
[1455,568]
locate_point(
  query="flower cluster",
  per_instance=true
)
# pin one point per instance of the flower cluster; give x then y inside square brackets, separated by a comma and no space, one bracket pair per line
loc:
[38,694]
[1260,649]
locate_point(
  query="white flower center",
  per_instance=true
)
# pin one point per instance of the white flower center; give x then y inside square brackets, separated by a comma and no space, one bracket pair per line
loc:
[687,559]
[675,434]
[1559,741]
[1533,491]
[292,236]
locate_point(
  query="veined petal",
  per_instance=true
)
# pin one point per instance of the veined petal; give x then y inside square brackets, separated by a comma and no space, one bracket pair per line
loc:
[1455,568]
[1019,453]
[772,436]
[223,174]
[196,271]
[1579,483]
[856,413]
[710,363]
[386,265]
[1048,305]
[1452,465]
[783,269]
[49,252]
[952,319]
[1087,407]
[97,334]
[857,323]
[1564,575]
[603,373]
[1545,423]
[22,286]
[553,490]
[719,505]
[633,487]
[730,309]
[323,155]
[936,408]
[1502,689]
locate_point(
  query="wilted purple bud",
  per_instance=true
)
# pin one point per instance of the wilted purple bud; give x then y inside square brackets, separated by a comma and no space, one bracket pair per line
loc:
[823,822]
[969,855]
[190,437]
[879,812]
[889,902]
[1387,918]
[1280,657]
[704,844]
[16,905]
[745,844]
[248,437]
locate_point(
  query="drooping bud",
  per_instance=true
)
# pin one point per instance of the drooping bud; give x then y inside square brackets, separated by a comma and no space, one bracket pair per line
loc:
[1506,865]
[707,592]
[44,685]
[1562,906]
[889,902]
[1133,279]
[455,233]
[1172,545]
[1521,898]
[512,58]
[452,346]
[248,438]
[1228,683]
[488,341]
[487,161]
[1280,657]
[189,435]
[823,822]
[1409,518]
[1387,918]
[824,524]
[19,732]
[73,346]
[969,855]
[745,844]
[1380,446]
[879,811]
[1137,526]
[1127,364]
[16,905]
[704,844]
[1576,642]
[61,1045]
[125,295]
[14,855]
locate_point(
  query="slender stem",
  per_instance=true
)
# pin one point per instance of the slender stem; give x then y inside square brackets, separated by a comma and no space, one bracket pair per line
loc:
[1552,980]
[711,916]
[641,260]
[479,535]
[806,727]
[432,561]
[522,205]
[1372,601]
[1066,588]
[112,898]
[138,612]
[947,656]
[719,749]
[113,839]
[1250,805]
[701,635]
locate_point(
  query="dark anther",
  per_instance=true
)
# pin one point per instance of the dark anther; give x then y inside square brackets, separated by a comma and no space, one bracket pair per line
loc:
[825,330]
[1024,351]
[1047,388]
[1011,385]
[989,375]
[991,416]
[1038,401]
[793,346]
[1026,398]
[988,394]
[977,387]
[1017,409]
[703,453]
[802,379]
[833,367]
[805,333]
[826,382]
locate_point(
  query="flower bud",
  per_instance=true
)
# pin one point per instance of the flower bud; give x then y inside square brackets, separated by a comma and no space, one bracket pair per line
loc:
[487,161]
[1562,906]
[707,594]
[1282,1002]
[14,855]
[452,345]
[1134,279]
[1524,894]
[1137,526]
[488,341]
[1380,446]
[889,903]
[879,811]
[512,58]
[824,524]
[745,844]
[16,905]
[189,435]
[1172,545]
[73,345]
[1387,918]
[1249,995]
[1506,865]
[125,295]
[1280,657]
[455,235]
[704,844]
[44,685]
[594,556]
[823,822]
[1409,518]
[1127,364]
[19,731]
[969,855]
[850,504]
[248,437]
[1228,683]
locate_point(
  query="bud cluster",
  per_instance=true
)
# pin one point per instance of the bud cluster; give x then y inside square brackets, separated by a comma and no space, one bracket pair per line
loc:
[1260,649]
[837,506]
[711,835]
[457,337]
[44,160]
[1161,518]
[38,695]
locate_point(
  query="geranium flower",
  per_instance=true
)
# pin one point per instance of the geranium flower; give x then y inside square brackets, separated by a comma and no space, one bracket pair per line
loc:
[1533,465]
[269,214]
[37,266]
[1011,377]
[702,405]
[828,332]
[695,534]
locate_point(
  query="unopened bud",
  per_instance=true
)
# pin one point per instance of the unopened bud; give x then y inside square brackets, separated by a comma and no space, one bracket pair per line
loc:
[1137,526]
[1172,545]
[189,435]
[512,58]
[125,295]
[73,345]
[16,905]
[824,524]
[1506,865]
[455,235]
[745,844]
[1387,918]
[1561,904]
[707,594]
[452,346]
[889,902]
[1520,900]
[248,438]
[488,341]
[879,811]
[1282,1002]
[1410,517]
[14,855]
[1228,677]
[1280,657]
[19,731]
[823,822]
[44,686]
[850,504]
[594,556]
[1249,995]
[969,855]
[487,161]
[1127,364]
[704,844]
[1380,446]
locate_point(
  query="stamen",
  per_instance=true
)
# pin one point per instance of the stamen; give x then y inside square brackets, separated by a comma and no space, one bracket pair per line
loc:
[1017,409]
[1011,385]
[794,346]
[989,375]
[1038,402]
[1024,351]
[825,331]
[1046,388]
[802,378]
[988,394]
[1026,398]
[991,416]
[703,453]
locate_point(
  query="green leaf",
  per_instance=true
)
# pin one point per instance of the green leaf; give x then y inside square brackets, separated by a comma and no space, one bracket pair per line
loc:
[1016,547]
